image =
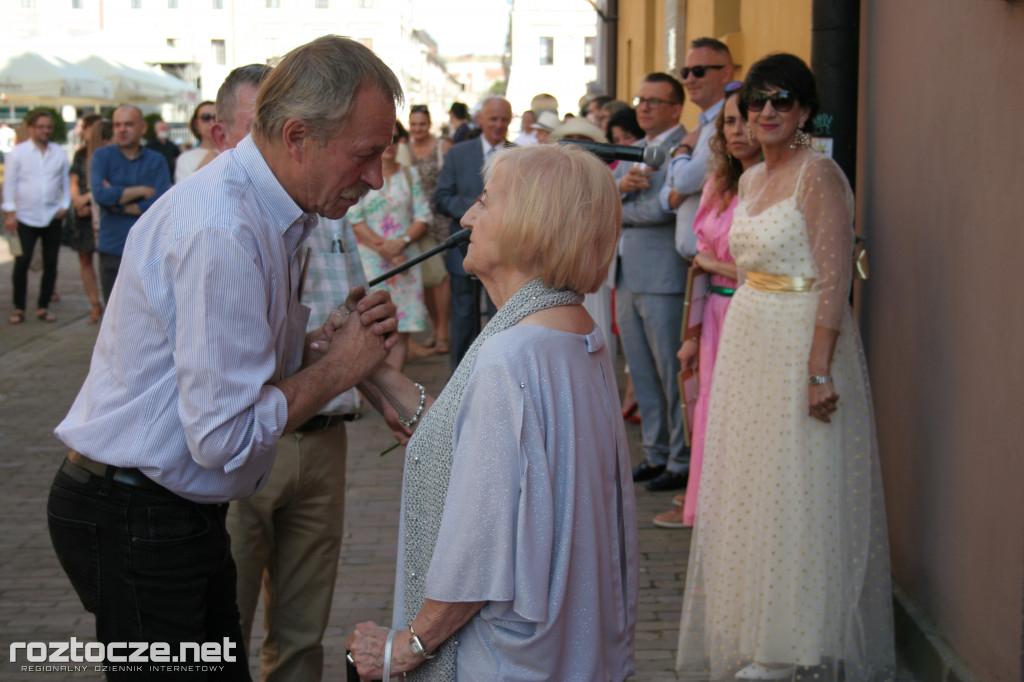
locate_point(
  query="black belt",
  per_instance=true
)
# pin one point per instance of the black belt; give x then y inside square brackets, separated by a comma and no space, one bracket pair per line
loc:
[319,422]
[77,462]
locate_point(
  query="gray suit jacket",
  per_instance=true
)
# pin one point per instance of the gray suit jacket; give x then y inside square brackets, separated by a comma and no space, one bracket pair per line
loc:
[649,262]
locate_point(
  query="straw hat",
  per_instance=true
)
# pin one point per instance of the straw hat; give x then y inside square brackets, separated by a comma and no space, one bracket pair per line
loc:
[548,120]
[578,126]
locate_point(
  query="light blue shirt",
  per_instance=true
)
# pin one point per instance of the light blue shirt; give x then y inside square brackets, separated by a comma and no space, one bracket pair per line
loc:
[686,172]
[203,318]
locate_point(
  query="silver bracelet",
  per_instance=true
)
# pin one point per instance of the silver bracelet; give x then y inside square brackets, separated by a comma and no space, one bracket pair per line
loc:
[387,655]
[419,410]
[818,380]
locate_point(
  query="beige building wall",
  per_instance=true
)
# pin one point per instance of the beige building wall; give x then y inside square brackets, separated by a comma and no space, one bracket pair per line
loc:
[941,179]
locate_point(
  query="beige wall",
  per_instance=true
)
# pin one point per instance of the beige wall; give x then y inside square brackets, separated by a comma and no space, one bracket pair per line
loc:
[941,199]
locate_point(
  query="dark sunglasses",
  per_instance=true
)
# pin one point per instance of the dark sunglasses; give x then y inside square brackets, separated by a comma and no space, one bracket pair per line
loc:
[207,117]
[781,101]
[418,109]
[698,71]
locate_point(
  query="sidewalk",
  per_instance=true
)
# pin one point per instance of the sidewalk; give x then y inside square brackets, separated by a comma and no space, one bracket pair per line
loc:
[41,368]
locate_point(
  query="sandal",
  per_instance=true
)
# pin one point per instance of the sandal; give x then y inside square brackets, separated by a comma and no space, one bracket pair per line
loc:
[17,318]
[45,315]
[94,316]
[444,346]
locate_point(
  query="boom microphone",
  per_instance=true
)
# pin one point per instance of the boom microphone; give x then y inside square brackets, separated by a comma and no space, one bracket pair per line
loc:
[456,239]
[650,155]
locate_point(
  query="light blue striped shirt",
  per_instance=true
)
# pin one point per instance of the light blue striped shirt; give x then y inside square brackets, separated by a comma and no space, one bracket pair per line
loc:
[203,317]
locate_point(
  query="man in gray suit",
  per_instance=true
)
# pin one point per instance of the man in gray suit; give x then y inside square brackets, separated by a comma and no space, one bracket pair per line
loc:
[458,187]
[650,290]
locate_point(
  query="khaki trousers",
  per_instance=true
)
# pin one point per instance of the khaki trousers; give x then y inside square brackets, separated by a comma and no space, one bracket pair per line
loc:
[286,541]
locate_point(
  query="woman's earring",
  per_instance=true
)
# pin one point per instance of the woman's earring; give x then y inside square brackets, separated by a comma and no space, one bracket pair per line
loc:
[801,139]
[750,135]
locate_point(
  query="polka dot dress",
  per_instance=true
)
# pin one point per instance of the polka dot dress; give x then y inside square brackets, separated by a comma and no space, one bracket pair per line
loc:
[789,566]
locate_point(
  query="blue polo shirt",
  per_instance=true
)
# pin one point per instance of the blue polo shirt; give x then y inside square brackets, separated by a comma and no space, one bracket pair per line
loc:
[110,165]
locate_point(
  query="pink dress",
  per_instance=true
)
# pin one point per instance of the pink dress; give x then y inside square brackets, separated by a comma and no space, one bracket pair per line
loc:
[712,230]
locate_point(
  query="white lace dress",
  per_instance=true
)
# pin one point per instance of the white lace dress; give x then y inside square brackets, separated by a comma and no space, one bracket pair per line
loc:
[789,564]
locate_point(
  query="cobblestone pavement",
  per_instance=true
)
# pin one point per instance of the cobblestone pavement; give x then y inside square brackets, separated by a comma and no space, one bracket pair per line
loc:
[41,368]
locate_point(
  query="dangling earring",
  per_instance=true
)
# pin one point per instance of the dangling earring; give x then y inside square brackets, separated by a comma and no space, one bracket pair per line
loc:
[750,135]
[801,139]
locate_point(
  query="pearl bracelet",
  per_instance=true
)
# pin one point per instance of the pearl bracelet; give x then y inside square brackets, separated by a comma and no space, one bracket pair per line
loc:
[818,380]
[419,410]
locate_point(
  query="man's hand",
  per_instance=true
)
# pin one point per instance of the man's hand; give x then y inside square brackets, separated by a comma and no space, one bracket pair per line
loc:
[636,180]
[11,223]
[135,193]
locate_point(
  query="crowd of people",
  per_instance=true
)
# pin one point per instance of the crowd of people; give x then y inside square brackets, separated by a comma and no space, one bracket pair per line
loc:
[254,337]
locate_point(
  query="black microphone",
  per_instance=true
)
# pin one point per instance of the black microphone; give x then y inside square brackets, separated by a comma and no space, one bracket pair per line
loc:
[650,155]
[456,239]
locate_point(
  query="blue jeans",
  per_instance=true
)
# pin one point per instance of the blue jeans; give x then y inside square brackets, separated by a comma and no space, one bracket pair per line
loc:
[150,565]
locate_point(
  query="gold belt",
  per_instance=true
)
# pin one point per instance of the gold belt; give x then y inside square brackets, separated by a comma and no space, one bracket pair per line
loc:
[778,284]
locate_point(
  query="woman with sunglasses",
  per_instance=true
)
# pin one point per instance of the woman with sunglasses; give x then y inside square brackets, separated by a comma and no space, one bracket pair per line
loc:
[388,223]
[732,152]
[789,566]
[201,123]
[427,157]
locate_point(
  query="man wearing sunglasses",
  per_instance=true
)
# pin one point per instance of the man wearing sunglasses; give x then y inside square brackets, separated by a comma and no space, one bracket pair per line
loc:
[708,68]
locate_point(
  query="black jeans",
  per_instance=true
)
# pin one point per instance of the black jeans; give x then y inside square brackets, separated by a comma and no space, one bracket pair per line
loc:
[151,566]
[109,265]
[49,236]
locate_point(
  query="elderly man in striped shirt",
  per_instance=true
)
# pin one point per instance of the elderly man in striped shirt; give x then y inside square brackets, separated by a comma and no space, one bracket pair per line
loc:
[203,363]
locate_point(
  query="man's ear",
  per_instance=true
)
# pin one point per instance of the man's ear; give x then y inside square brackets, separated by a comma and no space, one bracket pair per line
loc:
[295,134]
[218,132]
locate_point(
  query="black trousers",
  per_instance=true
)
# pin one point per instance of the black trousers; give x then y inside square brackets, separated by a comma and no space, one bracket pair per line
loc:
[49,236]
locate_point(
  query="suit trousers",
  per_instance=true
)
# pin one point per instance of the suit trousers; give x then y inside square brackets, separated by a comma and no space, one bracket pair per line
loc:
[649,325]
[49,237]
[151,566]
[109,265]
[286,541]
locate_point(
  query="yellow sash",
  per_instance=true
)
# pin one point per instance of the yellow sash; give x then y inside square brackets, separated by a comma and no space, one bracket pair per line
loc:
[778,284]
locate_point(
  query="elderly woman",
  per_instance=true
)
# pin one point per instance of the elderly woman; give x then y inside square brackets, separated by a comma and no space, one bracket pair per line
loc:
[517,540]
[789,568]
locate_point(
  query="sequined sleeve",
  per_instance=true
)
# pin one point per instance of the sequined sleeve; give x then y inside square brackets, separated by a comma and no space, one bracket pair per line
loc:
[825,198]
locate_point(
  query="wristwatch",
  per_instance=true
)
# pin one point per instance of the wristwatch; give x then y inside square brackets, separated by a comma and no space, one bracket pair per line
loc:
[416,644]
[406,240]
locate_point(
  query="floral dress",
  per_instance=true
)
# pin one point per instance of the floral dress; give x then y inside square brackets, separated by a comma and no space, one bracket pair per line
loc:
[390,211]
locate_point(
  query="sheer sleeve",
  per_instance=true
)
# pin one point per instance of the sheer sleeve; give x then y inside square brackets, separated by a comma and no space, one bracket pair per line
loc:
[826,200]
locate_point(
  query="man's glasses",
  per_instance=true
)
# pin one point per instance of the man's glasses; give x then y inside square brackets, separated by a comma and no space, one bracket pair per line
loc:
[698,71]
[206,118]
[781,101]
[652,102]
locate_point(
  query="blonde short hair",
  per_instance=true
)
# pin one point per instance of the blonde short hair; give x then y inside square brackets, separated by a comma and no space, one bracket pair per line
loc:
[317,82]
[562,214]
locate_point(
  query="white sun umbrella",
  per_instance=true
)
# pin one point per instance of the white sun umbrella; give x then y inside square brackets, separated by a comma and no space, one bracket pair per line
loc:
[181,91]
[32,78]
[131,85]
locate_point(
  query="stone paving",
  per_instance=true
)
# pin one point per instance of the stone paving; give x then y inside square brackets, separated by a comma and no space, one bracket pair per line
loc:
[41,368]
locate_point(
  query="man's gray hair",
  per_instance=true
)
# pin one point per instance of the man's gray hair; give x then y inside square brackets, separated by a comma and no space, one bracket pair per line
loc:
[317,82]
[227,95]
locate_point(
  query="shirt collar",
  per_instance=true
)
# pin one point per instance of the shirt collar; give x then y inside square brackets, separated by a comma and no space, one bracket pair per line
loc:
[709,115]
[661,138]
[290,220]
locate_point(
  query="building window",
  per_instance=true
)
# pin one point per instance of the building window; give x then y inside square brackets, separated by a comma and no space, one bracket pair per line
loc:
[220,53]
[172,42]
[547,51]
[76,4]
[366,4]
[218,4]
[172,4]
[588,51]
[136,4]
[320,4]
[28,3]
[273,4]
